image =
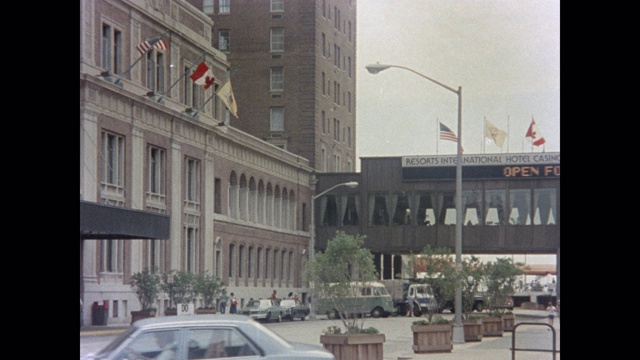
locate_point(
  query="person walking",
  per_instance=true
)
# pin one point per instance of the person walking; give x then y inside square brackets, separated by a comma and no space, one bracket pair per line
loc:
[551,312]
[273,295]
[233,308]
[223,303]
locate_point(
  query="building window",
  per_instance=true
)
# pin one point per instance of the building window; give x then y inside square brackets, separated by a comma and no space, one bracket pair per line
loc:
[324,122]
[217,196]
[402,210]
[544,203]
[349,137]
[336,163]
[224,7]
[277,79]
[192,91]
[426,209]
[155,255]
[378,211]
[336,92]
[277,39]
[192,180]
[277,118]
[324,45]
[336,56]
[112,160]
[111,49]
[447,213]
[520,205]
[241,261]
[155,70]
[191,249]
[157,162]
[252,263]
[349,65]
[232,263]
[207,7]
[259,270]
[277,5]
[494,201]
[275,265]
[224,40]
[336,129]
[111,255]
[268,263]
[349,30]
[472,205]
[324,87]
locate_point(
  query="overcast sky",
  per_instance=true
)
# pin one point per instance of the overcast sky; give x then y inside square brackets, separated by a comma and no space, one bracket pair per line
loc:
[505,54]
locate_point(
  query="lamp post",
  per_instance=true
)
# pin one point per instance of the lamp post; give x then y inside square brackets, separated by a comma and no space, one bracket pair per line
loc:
[458,331]
[170,282]
[312,230]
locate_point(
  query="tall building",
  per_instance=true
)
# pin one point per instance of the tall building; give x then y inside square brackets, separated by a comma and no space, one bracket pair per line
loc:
[293,73]
[165,183]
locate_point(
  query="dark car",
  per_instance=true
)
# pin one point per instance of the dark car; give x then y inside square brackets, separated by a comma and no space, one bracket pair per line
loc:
[204,337]
[263,310]
[294,309]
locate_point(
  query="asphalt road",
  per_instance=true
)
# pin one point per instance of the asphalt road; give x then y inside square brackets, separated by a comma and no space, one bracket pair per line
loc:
[532,335]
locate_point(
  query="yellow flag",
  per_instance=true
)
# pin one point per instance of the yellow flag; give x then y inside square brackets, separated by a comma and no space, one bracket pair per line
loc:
[498,136]
[226,95]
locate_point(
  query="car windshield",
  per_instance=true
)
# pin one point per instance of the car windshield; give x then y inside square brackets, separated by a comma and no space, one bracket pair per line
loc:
[116,342]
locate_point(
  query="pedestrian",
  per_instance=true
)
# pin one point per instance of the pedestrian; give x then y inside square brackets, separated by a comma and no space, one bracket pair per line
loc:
[551,312]
[410,301]
[223,303]
[233,308]
[273,295]
[290,295]
[295,297]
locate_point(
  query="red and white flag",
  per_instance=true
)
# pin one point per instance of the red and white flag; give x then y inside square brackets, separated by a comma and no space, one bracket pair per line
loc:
[203,75]
[534,134]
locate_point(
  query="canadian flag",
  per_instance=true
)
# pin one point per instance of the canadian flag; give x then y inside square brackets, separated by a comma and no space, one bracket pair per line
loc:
[203,75]
[533,133]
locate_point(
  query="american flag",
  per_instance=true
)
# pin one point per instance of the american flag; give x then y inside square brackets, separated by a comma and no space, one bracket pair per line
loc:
[447,134]
[156,43]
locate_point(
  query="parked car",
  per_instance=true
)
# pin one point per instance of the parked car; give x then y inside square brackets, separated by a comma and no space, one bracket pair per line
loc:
[204,337]
[295,309]
[263,310]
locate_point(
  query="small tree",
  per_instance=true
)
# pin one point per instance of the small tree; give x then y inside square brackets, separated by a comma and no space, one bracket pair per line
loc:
[333,272]
[440,272]
[499,279]
[146,285]
[471,278]
[181,290]
[209,287]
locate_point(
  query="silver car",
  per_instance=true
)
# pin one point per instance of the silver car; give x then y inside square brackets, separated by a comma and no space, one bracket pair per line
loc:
[204,337]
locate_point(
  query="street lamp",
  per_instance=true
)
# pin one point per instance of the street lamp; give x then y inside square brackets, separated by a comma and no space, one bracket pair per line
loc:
[458,331]
[312,229]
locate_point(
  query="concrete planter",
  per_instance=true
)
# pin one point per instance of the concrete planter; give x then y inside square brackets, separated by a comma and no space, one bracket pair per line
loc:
[432,338]
[357,346]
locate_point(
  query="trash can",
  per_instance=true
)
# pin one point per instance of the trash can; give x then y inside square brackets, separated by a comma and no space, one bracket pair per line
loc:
[99,313]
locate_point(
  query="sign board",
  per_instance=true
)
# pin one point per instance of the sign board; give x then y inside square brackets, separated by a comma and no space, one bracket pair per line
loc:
[186,309]
[486,166]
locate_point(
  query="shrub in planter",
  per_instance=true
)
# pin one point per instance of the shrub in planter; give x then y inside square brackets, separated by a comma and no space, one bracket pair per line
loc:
[209,288]
[181,291]
[146,286]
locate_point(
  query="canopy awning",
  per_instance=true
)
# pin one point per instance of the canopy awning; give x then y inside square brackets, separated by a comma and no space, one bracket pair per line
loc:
[99,221]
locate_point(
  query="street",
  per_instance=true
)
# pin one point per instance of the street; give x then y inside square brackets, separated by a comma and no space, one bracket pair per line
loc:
[399,338]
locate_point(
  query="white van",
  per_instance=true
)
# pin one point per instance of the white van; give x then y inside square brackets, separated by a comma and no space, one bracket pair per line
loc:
[368,298]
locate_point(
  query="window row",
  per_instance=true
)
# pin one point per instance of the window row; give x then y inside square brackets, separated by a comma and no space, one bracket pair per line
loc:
[337,23]
[261,203]
[488,207]
[339,61]
[224,6]
[260,263]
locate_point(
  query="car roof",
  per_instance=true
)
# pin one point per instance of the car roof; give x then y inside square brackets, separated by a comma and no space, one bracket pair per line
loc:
[188,320]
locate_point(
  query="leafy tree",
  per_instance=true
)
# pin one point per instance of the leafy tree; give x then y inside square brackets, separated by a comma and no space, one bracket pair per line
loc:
[441,273]
[146,285]
[471,278]
[209,287]
[500,279]
[333,272]
[182,290]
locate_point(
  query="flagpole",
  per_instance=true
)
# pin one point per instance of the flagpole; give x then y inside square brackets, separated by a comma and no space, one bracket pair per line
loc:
[437,134]
[508,132]
[137,61]
[484,138]
[203,104]
[162,95]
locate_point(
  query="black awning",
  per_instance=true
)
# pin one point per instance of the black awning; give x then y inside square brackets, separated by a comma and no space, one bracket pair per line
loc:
[99,221]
